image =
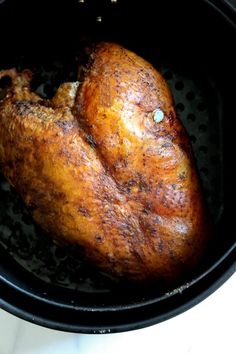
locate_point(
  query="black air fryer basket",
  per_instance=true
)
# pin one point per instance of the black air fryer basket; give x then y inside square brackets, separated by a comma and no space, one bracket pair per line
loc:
[193,44]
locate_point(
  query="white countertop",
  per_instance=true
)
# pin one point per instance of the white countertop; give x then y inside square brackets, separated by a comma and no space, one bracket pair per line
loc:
[208,328]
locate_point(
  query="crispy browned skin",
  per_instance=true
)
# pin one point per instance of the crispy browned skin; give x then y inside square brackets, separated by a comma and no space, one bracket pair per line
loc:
[97,171]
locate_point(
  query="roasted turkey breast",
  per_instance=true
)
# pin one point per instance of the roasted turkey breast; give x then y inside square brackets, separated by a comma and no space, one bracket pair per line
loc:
[107,166]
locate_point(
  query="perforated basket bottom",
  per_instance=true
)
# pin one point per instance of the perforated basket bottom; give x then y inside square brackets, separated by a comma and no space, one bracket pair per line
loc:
[199,108]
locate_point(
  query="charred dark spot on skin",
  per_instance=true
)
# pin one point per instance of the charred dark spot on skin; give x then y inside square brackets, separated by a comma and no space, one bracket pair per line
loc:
[160,245]
[169,136]
[143,186]
[148,206]
[159,189]
[106,98]
[99,238]
[151,229]
[111,258]
[188,242]
[172,255]
[182,176]
[127,229]
[148,226]
[106,188]
[167,145]
[160,132]
[165,202]
[65,125]
[24,107]
[174,198]
[137,255]
[57,195]
[120,164]
[139,182]
[129,185]
[83,155]
[171,117]
[144,161]
[146,211]
[117,74]
[64,152]
[84,212]
[91,141]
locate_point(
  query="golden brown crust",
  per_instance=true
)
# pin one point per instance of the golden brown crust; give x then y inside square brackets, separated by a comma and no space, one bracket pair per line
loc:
[99,172]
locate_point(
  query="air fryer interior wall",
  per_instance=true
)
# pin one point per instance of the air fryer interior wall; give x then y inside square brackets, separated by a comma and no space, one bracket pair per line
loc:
[192,45]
